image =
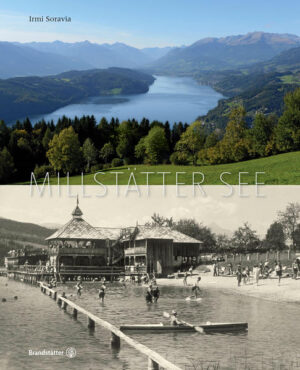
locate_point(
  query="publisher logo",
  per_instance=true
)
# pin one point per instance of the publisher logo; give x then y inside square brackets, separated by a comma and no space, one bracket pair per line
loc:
[71,352]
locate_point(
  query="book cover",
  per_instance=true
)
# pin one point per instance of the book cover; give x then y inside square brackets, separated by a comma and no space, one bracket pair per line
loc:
[149,197]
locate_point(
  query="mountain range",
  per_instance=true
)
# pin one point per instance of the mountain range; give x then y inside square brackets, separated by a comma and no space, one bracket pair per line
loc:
[47,58]
[224,53]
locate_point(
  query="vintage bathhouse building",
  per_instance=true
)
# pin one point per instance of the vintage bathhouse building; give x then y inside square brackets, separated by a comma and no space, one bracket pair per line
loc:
[79,248]
[158,249]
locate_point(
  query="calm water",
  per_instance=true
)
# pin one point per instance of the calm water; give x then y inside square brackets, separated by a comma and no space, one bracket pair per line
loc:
[35,322]
[170,99]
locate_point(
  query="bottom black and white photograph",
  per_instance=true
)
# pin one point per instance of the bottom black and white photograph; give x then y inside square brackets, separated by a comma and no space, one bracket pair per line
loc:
[150,282]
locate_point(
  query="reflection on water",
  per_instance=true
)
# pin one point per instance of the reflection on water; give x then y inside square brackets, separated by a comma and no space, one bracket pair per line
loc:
[35,322]
[170,99]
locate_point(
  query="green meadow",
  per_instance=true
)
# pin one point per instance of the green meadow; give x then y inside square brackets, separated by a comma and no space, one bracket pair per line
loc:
[282,169]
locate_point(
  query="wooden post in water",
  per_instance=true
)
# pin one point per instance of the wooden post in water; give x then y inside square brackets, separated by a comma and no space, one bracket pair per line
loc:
[91,323]
[75,313]
[115,341]
[152,365]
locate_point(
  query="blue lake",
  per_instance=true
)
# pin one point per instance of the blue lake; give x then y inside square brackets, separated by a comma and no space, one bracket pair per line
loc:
[170,99]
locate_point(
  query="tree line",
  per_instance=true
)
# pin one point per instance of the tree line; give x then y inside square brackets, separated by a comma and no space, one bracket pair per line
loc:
[83,145]
[283,233]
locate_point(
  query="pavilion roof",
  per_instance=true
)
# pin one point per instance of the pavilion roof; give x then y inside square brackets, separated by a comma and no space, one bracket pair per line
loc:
[160,232]
[77,228]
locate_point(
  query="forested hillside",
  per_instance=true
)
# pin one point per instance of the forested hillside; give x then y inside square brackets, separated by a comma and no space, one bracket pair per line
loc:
[259,88]
[24,96]
[17,235]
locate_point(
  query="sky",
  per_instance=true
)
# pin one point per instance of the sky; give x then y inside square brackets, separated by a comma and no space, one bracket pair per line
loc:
[120,211]
[145,23]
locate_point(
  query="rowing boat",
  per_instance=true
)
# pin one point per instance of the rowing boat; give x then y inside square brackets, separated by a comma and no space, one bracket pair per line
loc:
[207,327]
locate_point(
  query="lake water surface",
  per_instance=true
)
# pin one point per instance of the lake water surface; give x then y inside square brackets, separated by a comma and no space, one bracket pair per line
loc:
[170,99]
[35,322]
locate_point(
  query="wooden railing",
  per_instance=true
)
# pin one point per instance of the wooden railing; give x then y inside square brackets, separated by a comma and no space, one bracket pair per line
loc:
[31,268]
[155,360]
[92,270]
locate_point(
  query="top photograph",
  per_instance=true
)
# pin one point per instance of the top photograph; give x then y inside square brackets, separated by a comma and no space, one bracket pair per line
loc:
[149,92]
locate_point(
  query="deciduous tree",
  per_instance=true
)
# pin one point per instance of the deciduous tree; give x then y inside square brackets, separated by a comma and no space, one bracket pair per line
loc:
[107,152]
[64,152]
[289,220]
[191,141]
[245,239]
[156,145]
[275,238]
[90,153]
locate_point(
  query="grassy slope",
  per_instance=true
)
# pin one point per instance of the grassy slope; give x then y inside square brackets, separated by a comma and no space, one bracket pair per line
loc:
[282,169]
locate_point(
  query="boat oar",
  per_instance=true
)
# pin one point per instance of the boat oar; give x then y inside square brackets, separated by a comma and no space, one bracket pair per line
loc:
[197,328]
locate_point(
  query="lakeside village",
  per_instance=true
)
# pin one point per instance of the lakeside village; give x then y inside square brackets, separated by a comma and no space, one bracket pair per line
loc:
[79,251]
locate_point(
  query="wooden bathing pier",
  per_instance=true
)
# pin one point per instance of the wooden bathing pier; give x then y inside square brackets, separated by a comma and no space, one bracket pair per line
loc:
[34,274]
[155,360]
[29,276]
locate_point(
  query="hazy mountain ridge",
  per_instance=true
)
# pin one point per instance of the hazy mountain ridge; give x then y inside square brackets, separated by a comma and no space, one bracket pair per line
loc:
[46,58]
[20,60]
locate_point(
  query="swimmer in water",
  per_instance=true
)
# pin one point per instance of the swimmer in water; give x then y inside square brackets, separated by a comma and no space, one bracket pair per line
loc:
[79,288]
[155,294]
[149,294]
[196,288]
[102,292]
